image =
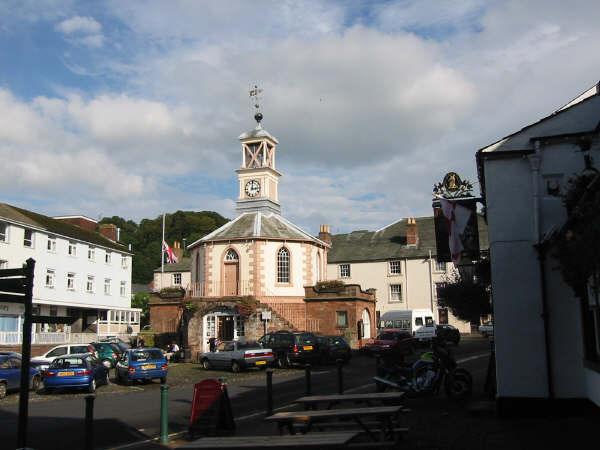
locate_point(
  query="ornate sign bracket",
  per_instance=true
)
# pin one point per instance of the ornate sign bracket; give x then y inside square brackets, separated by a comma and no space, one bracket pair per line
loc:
[453,187]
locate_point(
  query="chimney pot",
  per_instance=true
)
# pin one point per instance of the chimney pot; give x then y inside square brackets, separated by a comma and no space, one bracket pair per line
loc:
[324,233]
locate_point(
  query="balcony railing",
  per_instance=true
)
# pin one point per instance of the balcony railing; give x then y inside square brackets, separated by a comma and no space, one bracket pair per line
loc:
[223,288]
[15,338]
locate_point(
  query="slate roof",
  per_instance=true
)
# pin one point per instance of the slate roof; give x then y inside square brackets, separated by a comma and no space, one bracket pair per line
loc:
[259,225]
[58,227]
[390,242]
[258,132]
[185,265]
[582,115]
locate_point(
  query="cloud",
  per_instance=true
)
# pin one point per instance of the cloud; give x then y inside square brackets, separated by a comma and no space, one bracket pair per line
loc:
[86,31]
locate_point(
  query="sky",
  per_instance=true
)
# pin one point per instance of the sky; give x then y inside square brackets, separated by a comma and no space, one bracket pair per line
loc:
[134,108]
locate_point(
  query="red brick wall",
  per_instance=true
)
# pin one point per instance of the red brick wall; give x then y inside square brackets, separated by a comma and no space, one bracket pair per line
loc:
[81,222]
[165,317]
[36,349]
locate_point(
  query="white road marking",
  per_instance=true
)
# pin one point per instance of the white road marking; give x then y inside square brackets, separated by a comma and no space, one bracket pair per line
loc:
[471,358]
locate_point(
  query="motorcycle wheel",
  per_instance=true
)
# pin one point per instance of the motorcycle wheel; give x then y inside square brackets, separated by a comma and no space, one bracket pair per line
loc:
[457,388]
[463,374]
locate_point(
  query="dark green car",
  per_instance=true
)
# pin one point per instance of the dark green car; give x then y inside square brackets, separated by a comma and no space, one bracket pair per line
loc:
[107,353]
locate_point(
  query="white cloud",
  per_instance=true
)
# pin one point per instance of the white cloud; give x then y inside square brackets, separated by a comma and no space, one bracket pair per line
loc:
[86,31]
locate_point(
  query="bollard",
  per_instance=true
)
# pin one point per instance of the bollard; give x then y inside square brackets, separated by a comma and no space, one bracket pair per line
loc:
[269,392]
[340,376]
[308,380]
[89,422]
[164,414]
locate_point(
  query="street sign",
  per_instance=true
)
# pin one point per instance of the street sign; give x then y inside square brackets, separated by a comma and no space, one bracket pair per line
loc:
[266,315]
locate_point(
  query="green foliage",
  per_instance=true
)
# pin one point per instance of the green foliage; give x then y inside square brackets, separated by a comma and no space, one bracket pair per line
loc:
[578,245]
[468,298]
[140,300]
[329,286]
[146,237]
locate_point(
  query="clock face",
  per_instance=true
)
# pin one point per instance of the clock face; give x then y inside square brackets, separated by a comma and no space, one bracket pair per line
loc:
[252,188]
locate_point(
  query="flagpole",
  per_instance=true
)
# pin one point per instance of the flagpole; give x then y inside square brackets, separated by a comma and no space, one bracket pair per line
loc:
[162,252]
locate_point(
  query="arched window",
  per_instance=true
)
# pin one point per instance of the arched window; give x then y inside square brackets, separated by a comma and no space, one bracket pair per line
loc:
[283,266]
[231,256]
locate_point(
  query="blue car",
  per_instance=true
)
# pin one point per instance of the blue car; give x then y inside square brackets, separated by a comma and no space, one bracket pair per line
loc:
[10,373]
[78,371]
[142,364]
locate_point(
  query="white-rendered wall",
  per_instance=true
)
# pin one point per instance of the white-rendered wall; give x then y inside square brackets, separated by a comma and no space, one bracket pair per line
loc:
[297,268]
[519,331]
[415,280]
[164,280]
[16,254]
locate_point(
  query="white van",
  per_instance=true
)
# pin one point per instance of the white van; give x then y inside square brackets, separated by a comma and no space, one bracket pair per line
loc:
[419,322]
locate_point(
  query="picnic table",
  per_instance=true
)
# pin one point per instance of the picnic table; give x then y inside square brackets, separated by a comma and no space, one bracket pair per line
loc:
[371,399]
[385,420]
[286,442]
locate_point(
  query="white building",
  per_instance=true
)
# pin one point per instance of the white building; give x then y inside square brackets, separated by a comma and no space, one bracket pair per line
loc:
[80,274]
[399,262]
[539,332]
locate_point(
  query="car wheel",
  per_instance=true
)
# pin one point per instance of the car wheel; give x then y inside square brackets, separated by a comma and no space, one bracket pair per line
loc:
[106,363]
[2,390]
[206,364]
[235,367]
[92,386]
[36,382]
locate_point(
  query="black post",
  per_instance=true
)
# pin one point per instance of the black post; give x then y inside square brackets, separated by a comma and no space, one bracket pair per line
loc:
[264,326]
[89,422]
[25,356]
[269,392]
[308,380]
[340,376]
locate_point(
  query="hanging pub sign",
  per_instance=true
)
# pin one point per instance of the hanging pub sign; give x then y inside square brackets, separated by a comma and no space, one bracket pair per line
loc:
[455,218]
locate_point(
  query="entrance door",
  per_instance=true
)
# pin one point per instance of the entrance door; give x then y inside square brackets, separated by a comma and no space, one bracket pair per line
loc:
[225,328]
[231,274]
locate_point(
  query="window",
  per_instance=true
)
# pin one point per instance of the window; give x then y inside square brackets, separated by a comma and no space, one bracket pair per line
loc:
[239,326]
[124,262]
[89,284]
[3,232]
[3,264]
[231,256]
[418,321]
[91,253]
[283,266]
[107,286]
[177,279]
[103,316]
[51,244]
[345,270]
[395,268]
[72,248]
[53,311]
[135,317]
[107,257]
[440,266]
[57,352]
[123,288]
[396,293]
[341,319]
[71,281]
[50,278]
[28,238]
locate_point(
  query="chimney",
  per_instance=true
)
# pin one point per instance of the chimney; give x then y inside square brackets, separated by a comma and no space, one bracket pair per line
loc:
[108,230]
[324,234]
[177,250]
[412,233]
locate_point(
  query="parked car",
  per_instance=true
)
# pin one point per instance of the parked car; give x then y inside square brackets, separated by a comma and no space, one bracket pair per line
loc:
[76,371]
[487,328]
[332,348]
[43,362]
[10,373]
[291,347]
[237,356]
[448,333]
[108,353]
[391,341]
[143,364]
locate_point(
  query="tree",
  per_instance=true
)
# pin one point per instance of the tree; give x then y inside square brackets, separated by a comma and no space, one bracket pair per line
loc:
[140,300]
[468,296]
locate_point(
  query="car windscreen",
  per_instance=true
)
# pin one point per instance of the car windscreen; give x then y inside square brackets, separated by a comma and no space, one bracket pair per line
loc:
[144,355]
[304,338]
[103,347]
[4,364]
[68,363]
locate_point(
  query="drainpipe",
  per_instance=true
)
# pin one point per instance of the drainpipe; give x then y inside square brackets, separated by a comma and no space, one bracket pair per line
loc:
[431,285]
[541,247]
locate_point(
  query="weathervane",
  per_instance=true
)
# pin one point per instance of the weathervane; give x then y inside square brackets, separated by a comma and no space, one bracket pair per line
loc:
[256,97]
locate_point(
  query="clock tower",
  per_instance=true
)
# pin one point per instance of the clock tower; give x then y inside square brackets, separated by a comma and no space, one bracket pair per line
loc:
[258,178]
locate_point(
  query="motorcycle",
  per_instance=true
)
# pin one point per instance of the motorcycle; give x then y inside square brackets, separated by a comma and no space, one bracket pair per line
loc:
[426,376]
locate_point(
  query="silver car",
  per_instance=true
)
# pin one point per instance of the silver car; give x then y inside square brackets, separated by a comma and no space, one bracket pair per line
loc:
[237,356]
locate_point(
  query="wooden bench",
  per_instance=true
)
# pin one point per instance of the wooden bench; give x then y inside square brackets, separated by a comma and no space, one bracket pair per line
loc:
[313,401]
[383,425]
[288,442]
